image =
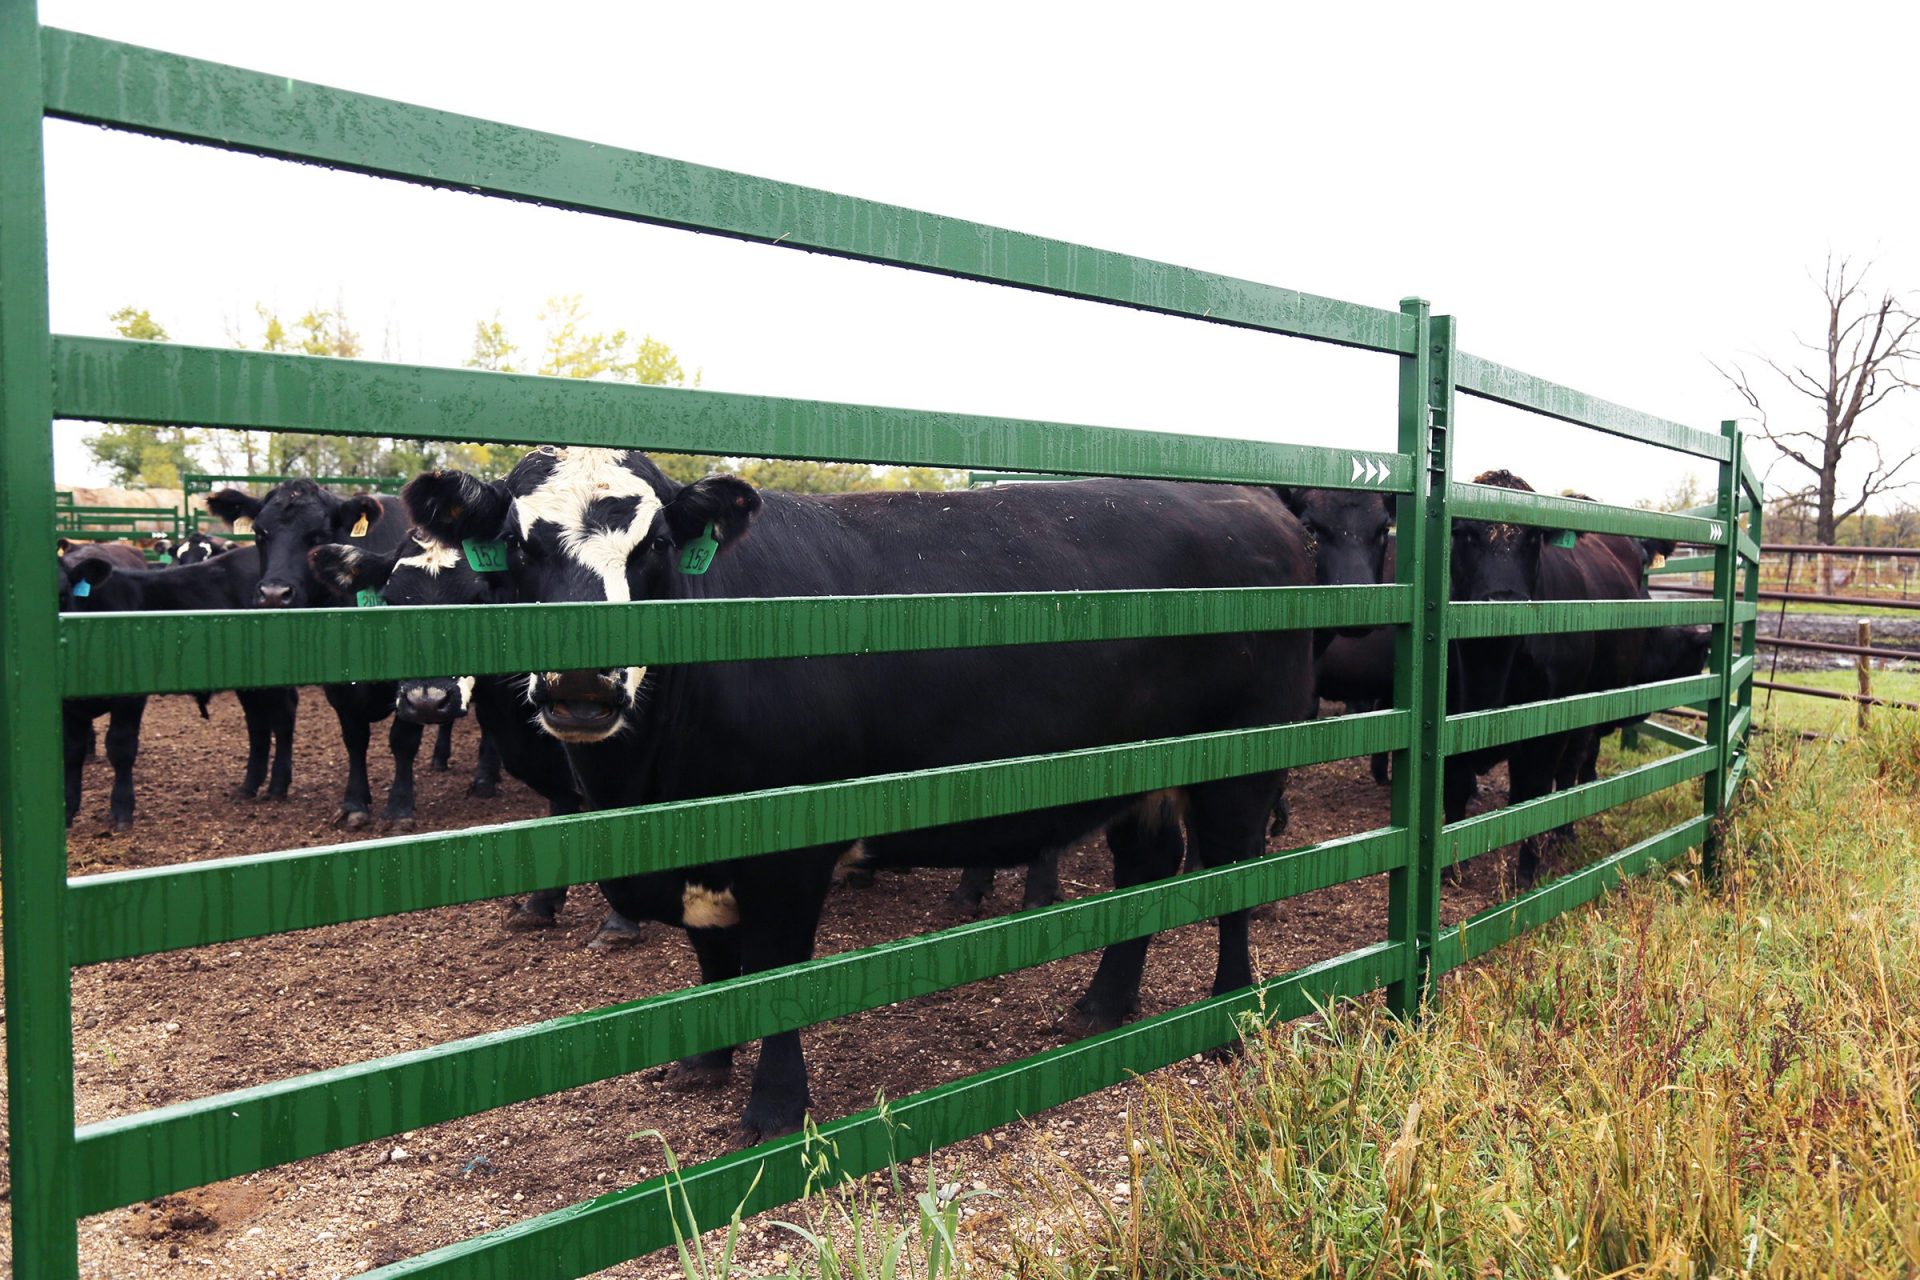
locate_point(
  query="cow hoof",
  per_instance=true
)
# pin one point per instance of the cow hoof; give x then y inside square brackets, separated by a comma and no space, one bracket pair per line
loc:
[1265,912]
[749,1134]
[442,766]
[1080,1022]
[244,793]
[121,826]
[277,793]
[401,824]
[969,906]
[483,790]
[522,920]
[352,819]
[858,878]
[692,1077]
[614,934]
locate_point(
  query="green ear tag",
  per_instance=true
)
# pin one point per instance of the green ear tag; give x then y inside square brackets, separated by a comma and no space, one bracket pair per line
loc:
[365,598]
[1564,538]
[166,560]
[697,556]
[486,555]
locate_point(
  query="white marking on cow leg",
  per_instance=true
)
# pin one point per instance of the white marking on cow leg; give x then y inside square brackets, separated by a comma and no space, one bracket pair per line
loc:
[465,685]
[704,908]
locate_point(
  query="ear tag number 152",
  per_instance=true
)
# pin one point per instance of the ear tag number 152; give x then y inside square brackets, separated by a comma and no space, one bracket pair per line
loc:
[697,556]
[486,555]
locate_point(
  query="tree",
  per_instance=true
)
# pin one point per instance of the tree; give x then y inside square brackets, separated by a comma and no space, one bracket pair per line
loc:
[136,453]
[1869,353]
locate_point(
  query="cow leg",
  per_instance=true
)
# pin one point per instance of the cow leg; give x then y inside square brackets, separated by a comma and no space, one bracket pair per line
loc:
[780,918]
[718,951]
[1225,819]
[1531,770]
[1147,845]
[1043,881]
[443,748]
[969,897]
[259,717]
[356,805]
[486,771]
[123,744]
[541,909]
[76,740]
[403,739]
[285,708]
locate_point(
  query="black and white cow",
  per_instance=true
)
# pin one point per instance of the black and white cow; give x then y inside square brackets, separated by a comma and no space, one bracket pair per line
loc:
[607,525]
[427,572]
[193,548]
[91,582]
[289,521]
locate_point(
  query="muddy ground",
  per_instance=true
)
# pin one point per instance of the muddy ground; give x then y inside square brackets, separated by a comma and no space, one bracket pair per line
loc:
[177,1026]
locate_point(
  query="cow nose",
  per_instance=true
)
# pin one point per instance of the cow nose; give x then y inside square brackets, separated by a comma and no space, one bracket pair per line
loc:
[565,686]
[275,596]
[426,697]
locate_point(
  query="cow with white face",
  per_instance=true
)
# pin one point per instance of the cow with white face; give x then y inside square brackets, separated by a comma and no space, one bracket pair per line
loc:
[608,526]
[425,571]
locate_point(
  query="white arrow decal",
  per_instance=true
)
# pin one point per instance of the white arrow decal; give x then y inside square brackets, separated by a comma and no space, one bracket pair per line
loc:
[1718,533]
[1381,474]
[1356,470]
[1372,471]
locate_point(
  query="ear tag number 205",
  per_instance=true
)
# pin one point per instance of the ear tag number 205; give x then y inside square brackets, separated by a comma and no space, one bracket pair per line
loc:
[486,555]
[697,556]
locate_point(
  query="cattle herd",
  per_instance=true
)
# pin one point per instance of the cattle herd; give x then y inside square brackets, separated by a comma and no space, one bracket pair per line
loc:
[607,525]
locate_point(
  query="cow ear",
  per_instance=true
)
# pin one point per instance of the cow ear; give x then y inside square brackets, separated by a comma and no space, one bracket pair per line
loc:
[453,506]
[357,513]
[63,546]
[1294,496]
[345,570]
[725,502]
[234,504]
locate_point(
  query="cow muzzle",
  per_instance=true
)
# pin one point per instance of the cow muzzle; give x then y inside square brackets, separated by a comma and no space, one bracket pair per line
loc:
[274,595]
[430,702]
[584,706]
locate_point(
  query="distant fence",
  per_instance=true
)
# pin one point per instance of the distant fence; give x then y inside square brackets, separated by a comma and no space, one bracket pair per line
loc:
[90,522]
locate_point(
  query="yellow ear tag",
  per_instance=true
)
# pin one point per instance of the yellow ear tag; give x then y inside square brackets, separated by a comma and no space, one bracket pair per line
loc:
[1659,561]
[243,525]
[359,528]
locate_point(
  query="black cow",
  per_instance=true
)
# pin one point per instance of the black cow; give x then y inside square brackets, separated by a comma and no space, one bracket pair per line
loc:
[601,524]
[427,572]
[94,583]
[289,521]
[1668,654]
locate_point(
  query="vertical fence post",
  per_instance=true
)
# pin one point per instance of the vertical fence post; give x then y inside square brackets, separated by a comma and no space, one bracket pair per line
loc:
[1422,545]
[32,817]
[1864,637]
[1750,629]
[1726,557]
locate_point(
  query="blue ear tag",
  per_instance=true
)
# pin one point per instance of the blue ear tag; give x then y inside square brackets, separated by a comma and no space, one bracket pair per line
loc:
[1565,538]
[365,598]
[697,556]
[82,589]
[486,555]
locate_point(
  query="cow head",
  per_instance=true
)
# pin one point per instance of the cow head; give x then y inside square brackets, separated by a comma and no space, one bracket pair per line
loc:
[1493,560]
[422,571]
[86,582]
[1674,652]
[196,547]
[1348,533]
[585,525]
[291,520]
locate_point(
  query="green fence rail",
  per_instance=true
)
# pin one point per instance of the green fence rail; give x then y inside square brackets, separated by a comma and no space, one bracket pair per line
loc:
[54,923]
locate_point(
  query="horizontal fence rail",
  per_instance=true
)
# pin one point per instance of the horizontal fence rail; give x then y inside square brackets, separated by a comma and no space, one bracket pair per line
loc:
[106,654]
[57,922]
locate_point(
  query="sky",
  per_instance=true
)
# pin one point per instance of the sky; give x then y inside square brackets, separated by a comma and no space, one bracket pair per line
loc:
[1613,198]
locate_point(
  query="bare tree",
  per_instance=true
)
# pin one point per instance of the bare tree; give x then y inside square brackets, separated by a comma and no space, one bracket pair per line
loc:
[1871,351]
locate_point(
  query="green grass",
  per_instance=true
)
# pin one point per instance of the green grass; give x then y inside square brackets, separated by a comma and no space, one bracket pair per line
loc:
[1841,610]
[1792,711]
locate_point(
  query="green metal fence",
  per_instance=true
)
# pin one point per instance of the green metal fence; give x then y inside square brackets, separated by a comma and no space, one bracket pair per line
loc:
[62,1172]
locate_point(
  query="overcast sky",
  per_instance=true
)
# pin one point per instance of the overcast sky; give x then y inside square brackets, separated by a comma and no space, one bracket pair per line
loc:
[1611,198]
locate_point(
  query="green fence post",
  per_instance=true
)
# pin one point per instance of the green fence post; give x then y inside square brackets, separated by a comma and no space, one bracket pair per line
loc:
[1726,559]
[1750,629]
[1421,548]
[32,818]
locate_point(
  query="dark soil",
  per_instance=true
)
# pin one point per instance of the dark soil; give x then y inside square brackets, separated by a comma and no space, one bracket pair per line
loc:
[183,1025]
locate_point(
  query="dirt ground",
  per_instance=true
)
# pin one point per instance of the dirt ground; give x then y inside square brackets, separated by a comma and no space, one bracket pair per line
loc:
[171,1027]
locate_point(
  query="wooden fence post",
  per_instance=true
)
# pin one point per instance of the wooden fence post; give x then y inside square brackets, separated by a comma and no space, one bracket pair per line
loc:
[1865,664]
